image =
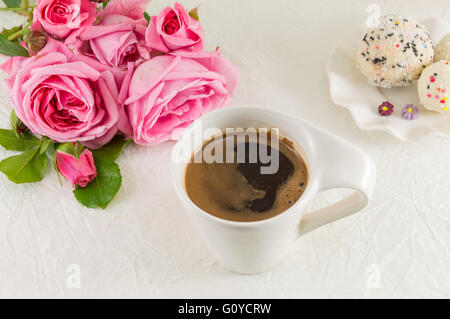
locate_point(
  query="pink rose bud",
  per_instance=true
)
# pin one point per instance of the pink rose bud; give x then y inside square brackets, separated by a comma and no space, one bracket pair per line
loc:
[77,170]
[173,29]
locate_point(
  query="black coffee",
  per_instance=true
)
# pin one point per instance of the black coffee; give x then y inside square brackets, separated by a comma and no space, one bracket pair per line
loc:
[238,190]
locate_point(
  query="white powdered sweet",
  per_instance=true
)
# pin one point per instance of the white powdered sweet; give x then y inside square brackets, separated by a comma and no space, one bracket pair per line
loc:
[394,53]
[434,87]
[442,50]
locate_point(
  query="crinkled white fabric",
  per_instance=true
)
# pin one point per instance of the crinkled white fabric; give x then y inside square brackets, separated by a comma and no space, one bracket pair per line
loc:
[144,245]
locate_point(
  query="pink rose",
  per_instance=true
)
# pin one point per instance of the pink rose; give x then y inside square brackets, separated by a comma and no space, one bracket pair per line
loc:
[77,170]
[120,36]
[168,92]
[174,29]
[61,17]
[65,97]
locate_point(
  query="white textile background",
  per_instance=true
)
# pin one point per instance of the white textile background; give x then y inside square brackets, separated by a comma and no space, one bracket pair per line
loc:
[144,245]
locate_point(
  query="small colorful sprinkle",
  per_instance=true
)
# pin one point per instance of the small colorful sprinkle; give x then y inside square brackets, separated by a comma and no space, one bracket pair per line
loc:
[410,112]
[386,109]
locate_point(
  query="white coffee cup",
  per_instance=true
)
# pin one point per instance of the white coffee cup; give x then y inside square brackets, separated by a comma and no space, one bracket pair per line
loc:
[254,247]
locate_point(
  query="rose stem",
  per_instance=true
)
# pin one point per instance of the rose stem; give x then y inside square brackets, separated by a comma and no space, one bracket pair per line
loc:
[11,9]
[18,33]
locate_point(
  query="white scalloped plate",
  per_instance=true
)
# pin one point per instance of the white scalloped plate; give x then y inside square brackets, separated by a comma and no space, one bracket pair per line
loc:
[350,89]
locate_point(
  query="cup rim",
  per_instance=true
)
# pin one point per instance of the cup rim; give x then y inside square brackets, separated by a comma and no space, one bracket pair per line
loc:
[182,193]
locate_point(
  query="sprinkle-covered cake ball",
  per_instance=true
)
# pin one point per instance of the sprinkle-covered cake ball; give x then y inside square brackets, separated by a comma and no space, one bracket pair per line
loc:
[434,87]
[395,52]
[442,50]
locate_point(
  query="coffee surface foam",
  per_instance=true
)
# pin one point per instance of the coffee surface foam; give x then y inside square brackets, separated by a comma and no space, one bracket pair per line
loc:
[238,191]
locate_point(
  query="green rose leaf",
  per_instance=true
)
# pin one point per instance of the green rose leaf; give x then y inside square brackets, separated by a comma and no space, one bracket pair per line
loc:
[15,123]
[9,48]
[9,32]
[113,149]
[46,142]
[13,3]
[104,4]
[20,142]
[100,192]
[147,17]
[55,165]
[194,13]
[28,167]
[71,149]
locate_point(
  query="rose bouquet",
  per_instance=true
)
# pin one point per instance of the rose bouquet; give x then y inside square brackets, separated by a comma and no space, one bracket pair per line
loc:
[89,77]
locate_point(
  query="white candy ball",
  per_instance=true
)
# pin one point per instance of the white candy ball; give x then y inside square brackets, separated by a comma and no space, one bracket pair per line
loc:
[442,50]
[434,87]
[395,52]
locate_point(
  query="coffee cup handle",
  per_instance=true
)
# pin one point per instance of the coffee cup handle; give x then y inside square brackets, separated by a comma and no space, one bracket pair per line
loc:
[343,166]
